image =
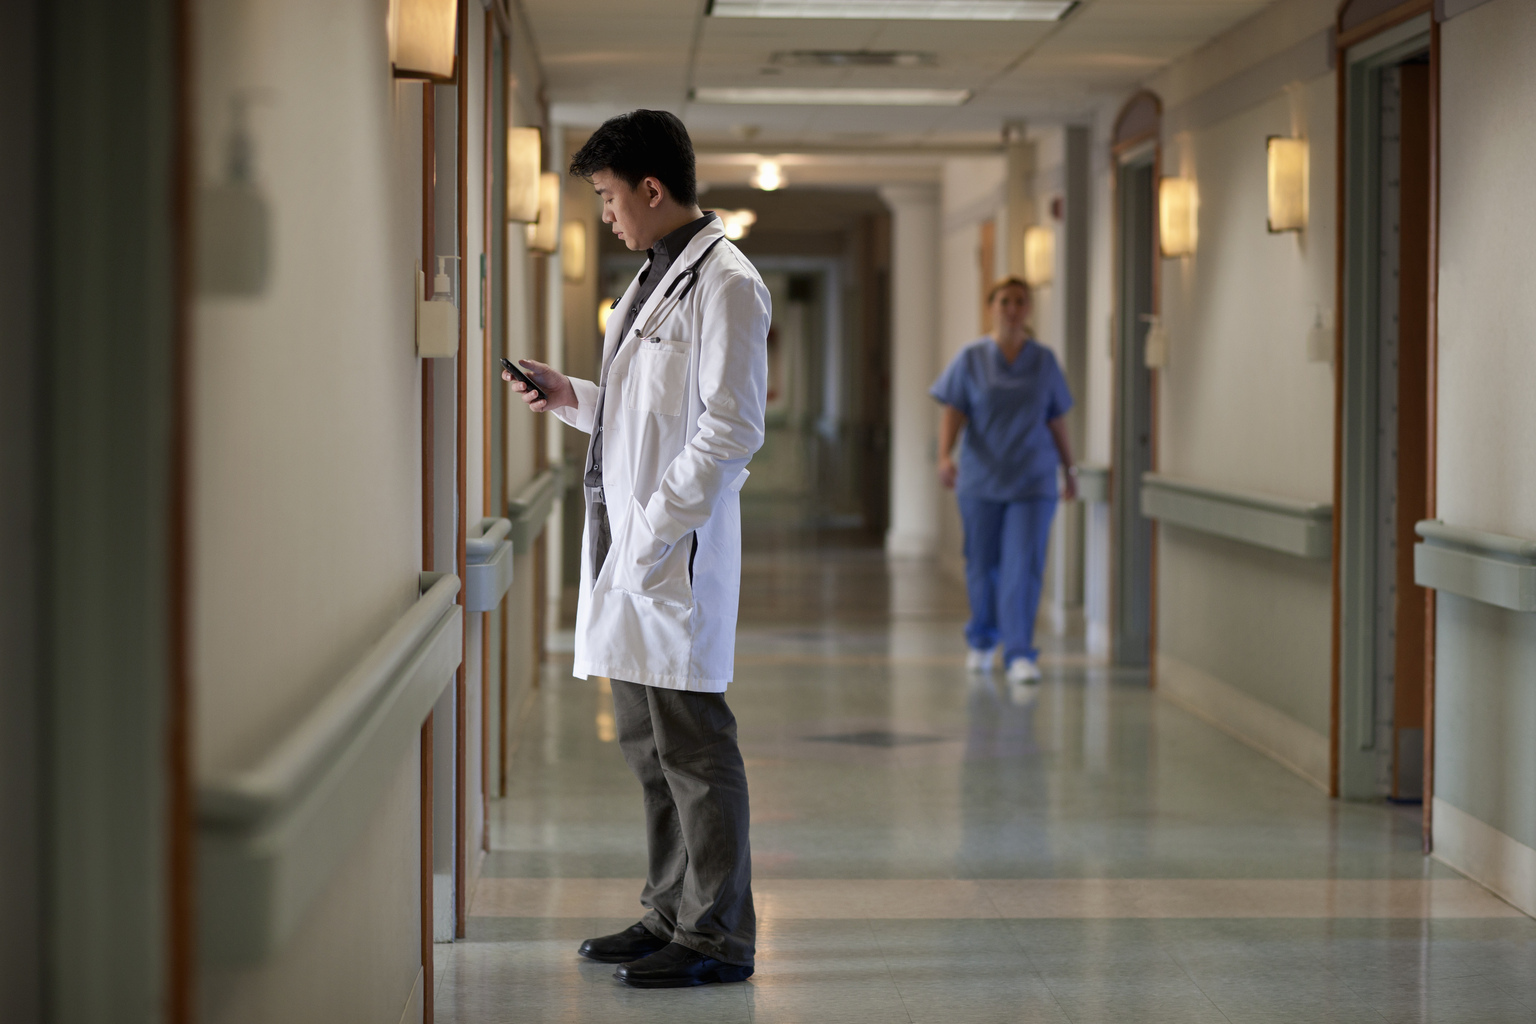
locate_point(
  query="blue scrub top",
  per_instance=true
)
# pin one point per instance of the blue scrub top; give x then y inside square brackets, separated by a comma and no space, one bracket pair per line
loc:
[1008,453]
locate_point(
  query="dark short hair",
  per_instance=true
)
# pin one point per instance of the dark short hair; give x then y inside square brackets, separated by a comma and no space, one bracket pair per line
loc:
[642,144]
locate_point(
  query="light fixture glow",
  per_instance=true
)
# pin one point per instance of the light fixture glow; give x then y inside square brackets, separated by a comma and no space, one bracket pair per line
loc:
[604,311]
[422,36]
[573,251]
[832,97]
[1177,216]
[737,223]
[912,10]
[544,233]
[1287,184]
[524,158]
[768,176]
[1039,255]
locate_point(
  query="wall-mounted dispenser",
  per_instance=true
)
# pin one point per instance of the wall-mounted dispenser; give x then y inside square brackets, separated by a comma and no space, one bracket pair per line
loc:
[1155,351]
[233,229]
[1320,337]
[437,318]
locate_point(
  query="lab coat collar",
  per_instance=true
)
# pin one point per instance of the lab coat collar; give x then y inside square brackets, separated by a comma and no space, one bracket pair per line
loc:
[614,337]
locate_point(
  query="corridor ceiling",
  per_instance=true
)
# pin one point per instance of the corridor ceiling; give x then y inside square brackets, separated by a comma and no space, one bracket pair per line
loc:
[605,56]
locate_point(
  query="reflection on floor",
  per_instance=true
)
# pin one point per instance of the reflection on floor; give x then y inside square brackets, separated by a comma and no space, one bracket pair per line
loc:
[928,847]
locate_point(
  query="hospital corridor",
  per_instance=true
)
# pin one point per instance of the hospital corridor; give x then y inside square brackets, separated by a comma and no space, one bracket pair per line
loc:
[772,511]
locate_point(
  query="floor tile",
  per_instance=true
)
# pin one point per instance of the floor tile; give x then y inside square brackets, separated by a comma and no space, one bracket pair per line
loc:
[1077,851]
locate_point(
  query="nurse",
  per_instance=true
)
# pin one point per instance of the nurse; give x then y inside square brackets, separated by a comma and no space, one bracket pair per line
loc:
[1007,394]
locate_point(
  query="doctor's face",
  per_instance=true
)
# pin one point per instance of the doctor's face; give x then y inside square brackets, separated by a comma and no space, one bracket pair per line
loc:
[631,211]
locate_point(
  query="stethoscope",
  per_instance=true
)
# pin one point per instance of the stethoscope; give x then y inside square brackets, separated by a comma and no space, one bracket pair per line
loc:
[690,274]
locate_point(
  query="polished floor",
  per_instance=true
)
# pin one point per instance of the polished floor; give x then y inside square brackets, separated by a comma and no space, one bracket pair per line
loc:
[929,847]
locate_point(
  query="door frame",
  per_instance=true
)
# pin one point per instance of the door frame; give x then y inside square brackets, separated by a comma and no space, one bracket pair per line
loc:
[1137,130]
[1366,43]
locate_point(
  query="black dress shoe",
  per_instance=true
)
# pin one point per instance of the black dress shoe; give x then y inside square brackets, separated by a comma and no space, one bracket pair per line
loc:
[632,943]
[677,966]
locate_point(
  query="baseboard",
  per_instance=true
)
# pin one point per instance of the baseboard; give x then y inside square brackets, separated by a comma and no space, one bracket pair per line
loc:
[415,1009]
[1499,863]
[1245,718]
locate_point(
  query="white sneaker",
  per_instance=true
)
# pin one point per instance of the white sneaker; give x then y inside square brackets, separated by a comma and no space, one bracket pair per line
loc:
[1023,670]
[978,661]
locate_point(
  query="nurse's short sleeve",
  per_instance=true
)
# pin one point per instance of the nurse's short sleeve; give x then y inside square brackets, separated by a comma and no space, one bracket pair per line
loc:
[951,387]
[1059,401]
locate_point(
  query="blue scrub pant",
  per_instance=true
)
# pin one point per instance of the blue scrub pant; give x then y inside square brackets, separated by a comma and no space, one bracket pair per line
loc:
[1005,548]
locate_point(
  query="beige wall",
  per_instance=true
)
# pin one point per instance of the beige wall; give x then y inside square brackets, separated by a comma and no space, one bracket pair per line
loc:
[306,488]
[1485,704]
[1239,404]
[357,956]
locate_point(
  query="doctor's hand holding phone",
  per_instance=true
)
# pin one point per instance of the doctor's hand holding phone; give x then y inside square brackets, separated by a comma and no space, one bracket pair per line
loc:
[543,388]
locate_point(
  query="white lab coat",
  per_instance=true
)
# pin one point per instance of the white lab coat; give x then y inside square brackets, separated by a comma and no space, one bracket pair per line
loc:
[683,415]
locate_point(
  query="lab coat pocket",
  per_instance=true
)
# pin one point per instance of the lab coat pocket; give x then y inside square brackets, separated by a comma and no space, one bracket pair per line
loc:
[646,567]
[658,377]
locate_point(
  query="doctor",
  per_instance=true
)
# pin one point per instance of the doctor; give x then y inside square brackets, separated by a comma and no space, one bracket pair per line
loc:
[675,416]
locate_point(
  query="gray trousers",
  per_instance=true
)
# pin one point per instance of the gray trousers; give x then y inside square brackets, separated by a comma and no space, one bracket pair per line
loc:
[682,748]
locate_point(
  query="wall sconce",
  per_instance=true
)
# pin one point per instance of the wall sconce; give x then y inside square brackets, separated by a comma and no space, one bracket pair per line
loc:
[604,311]
[1288,173]
[573,251]
[544,233]
[769,176]
[1039,255]
[737,223]
[525,148]
[1177,216]
[422,37]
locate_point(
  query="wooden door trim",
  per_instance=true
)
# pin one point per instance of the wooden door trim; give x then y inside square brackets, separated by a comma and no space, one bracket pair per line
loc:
[1340,244]
[1127,138]
[181,924]
[461,484]
[487,329]
[1345,39]
[428,547]
[1432,417]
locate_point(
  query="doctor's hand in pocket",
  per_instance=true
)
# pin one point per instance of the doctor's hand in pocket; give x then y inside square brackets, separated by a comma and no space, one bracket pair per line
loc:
[648,566]
[558,393]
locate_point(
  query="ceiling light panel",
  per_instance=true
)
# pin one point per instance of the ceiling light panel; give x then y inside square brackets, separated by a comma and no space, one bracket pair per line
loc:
[854,58]
[775,96]
[887,10]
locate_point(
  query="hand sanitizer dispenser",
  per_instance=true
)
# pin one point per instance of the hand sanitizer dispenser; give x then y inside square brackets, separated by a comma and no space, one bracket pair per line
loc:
[437,318]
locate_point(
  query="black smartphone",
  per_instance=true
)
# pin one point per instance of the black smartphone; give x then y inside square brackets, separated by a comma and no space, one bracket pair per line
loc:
[519,375]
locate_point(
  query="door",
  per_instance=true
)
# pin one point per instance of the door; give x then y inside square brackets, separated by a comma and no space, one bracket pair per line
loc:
[1386,452]
[1131,604]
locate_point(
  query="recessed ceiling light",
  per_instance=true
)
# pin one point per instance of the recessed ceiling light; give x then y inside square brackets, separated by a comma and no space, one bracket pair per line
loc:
[835,97]
[911,10]
[769,176]
[855,58]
